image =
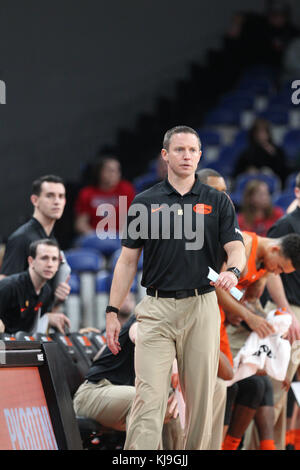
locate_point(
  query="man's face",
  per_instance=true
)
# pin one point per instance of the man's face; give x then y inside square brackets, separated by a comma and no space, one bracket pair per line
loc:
[183,154]
[217,182]
[46,262]
[276,263]
[51,200]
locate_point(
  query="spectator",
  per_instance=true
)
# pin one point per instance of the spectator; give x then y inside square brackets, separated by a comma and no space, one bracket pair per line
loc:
[257,212]
[106,188]
[262,154]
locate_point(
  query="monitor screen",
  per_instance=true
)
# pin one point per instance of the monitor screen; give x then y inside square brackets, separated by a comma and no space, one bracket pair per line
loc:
[25,422]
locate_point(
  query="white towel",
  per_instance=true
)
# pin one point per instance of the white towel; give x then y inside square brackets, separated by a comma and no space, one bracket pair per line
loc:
[271,354]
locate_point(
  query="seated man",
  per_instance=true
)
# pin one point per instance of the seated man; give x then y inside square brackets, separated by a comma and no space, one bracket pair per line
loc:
[23,295]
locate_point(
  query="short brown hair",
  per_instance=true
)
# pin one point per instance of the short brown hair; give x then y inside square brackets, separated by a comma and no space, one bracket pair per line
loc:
[179,130]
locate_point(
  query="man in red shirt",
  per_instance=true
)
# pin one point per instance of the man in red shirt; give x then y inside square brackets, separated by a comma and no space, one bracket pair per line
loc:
[107,189]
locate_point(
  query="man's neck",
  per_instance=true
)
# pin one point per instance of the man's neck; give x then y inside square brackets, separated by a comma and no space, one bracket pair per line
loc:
[182,185]
[37,281]
[45,222]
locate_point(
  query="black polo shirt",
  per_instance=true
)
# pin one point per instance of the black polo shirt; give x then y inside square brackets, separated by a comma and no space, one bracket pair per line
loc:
[172,258]
[119,369]
[289,223]
[19,303]
[17,247]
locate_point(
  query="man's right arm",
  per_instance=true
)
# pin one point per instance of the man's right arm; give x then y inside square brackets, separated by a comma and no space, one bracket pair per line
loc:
[123,277]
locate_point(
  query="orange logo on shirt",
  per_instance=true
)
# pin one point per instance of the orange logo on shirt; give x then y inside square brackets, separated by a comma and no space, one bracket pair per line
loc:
[202,209]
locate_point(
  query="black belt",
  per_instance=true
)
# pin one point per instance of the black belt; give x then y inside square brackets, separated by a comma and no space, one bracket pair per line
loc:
[178,294]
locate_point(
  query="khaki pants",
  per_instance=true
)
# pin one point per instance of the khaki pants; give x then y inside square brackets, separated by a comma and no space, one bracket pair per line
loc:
[219,407]
[280,399]
[110,405]
[188,329]
[104,402]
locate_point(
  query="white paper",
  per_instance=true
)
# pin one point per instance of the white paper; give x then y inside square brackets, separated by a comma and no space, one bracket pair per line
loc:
[213,276]
[296,389]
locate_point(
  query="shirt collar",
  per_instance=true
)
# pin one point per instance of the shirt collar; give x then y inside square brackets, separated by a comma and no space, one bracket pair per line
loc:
[38,224]
[195,189]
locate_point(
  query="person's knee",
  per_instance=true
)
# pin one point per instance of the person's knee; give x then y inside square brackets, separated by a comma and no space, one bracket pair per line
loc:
[251,391]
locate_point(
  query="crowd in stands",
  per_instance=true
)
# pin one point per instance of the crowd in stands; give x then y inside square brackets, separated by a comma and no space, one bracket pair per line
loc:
[251,148]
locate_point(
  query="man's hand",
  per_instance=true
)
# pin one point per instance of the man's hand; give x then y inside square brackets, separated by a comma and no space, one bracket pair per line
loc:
[113,328]
[259,325]
[59,321]
[62,291]
[172,408]
[293,333]
[226,280]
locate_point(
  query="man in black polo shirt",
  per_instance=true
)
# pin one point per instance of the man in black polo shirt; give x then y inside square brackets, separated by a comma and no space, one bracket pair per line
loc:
[48,198]
[23,295]
[179,225]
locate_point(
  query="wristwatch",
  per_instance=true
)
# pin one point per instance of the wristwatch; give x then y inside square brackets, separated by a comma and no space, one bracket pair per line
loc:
[235,271]
[110,308]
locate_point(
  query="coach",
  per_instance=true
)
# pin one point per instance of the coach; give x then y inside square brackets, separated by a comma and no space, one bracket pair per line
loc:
[179,316]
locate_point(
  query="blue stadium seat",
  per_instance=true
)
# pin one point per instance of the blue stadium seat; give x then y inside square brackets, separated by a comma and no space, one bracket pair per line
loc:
[258,85]
[209,137]
[272,181]
[239,100]
[74,283]
[290,181]
[145,181]
[84,260]
[291,144]
[284,199]
[105,247]
[277,115]
[103,281]
[223,116]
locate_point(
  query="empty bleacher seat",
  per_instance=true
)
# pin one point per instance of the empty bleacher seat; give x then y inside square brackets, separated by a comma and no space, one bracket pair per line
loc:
[103,283]
[73,302]
[241,181]
[284,199]
[86,263]
[105,246]
[291,145]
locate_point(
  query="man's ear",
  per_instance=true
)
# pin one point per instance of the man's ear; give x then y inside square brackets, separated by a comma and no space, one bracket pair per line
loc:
[275,249]
[164,155]
[30,260]
[33,199]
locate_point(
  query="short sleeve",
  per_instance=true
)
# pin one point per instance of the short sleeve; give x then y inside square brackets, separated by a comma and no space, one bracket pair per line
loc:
[6,298]
[15,256]
[131,234]
[280,228]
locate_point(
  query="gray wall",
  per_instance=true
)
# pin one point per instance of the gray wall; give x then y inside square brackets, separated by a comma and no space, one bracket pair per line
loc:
[77,70]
